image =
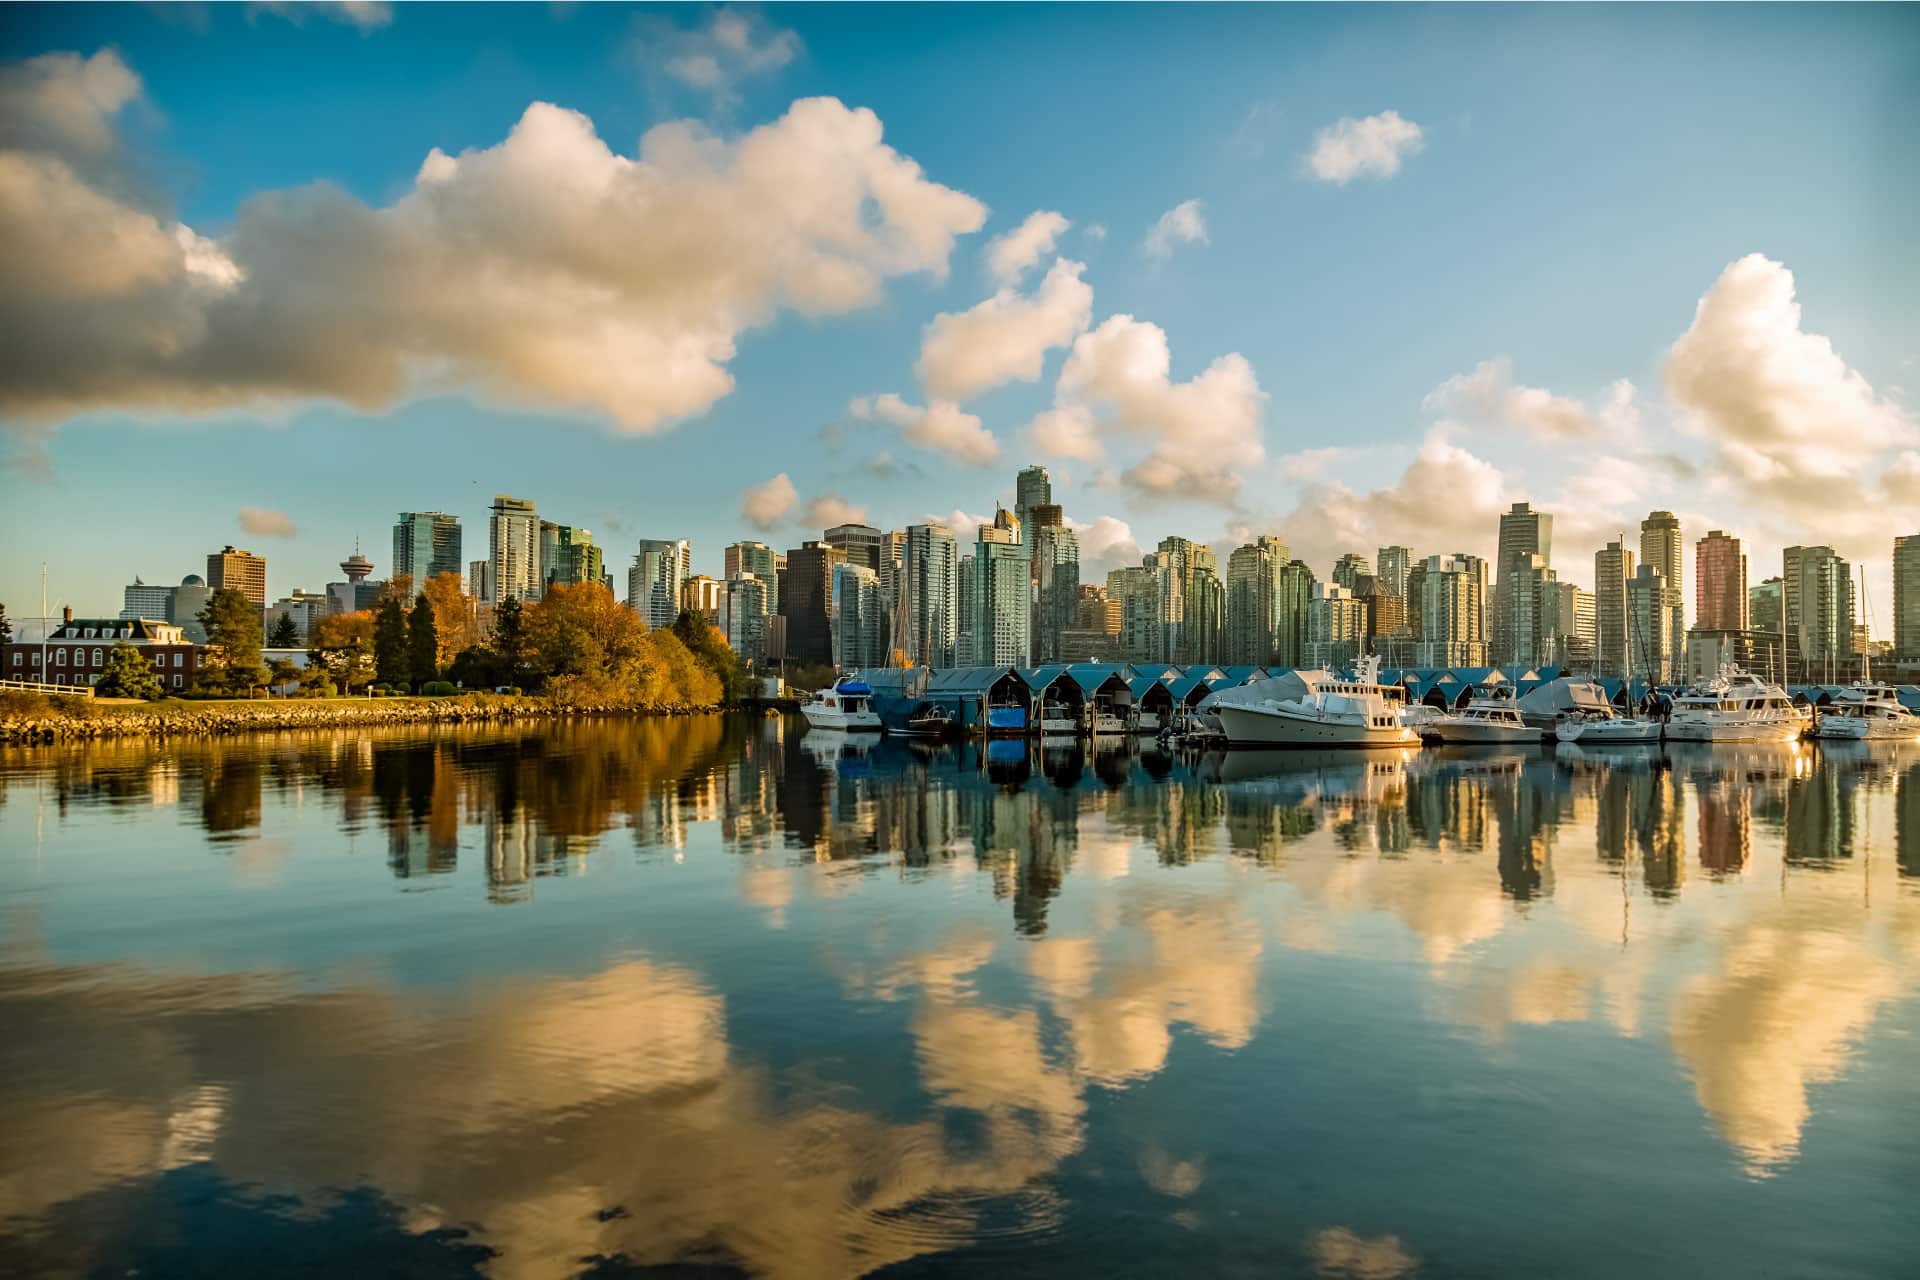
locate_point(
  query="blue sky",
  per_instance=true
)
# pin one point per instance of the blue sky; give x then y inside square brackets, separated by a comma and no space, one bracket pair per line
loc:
[1491,314]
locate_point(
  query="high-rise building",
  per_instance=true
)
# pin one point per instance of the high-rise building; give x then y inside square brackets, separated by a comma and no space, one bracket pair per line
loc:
[479,580]
[701,594]
[1336,625]
[513,569]
[1002,593]
[1613,652]
[654,580]
[568,556]
[1566,626]
[963,611]
[1650,627]
[1766,606]
[1254,571]
[860,543]
[756,558]
[1191,602]
[1293,597]
[1662,546]
[1349,569]
[930,563]
[806,596]
[1906,598]
[1817,600]
[743,615]
[1529,630]
[1390,566]
[1719,583]
[1056,583]
[1453,611]
[426,544]
[139,600]
[304,607]
[190,599]
[244,571]
[1031,488]
[856,619]
[1136,593]
[1524,533]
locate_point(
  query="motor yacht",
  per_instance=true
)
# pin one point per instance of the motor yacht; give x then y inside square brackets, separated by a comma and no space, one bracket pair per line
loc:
[1602,728]
[927,722]
[847,706]
[1735,706]
[1866,713]
[1485,721]
[1312,709]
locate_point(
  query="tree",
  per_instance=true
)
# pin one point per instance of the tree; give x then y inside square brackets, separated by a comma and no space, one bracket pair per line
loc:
[6,627]
[233,632]
[284,635]
[452,618]
[423,642]
[709,645]
[510,639]
[129,674]
[391,661]
[281,672]
[342,643]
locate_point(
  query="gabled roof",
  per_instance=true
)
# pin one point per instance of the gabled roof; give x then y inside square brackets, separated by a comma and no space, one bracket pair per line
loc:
[969,680]
[1091,676]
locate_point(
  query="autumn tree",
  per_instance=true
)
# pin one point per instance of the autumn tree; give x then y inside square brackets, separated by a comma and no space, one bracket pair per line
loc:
[423,645]
[343,644]
[391,660]
[708,644]
[581,630]
[453,627]
[128,674]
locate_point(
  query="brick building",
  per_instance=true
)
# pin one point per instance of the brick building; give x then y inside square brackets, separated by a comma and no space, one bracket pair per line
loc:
[78,649]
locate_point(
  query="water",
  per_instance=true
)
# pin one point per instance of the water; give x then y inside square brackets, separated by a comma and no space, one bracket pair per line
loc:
[597,998]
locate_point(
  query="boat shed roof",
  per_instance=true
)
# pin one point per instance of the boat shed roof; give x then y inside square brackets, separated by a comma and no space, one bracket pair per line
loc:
[965,680]
[1095,675]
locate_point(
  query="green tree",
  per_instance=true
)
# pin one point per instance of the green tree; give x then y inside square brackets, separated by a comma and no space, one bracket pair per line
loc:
[129,674]
[233,631]
[423,642]
[281,672]
[510,639]
[284,634]
[710,648]
[342,643]
[6,627]
[391,661]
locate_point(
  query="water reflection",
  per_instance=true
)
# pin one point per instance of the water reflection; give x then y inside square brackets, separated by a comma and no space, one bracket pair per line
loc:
[715,992]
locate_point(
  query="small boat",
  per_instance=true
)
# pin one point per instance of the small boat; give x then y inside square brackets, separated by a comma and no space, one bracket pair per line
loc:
[1313,709]
[1108,723]
[1487,721]
[847,706]
[1599,729]
[927,722]
[1059,720]
[1866,713]
[1736,706]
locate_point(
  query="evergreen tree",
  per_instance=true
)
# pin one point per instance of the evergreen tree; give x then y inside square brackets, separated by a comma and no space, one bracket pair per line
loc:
[6,627]
[285,635]
[510,639]
[423,642]
[391,661]
[128,674]
[711,650]
[233,629]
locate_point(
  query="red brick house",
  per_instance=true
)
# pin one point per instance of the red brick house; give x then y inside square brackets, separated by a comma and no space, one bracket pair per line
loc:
[78,649]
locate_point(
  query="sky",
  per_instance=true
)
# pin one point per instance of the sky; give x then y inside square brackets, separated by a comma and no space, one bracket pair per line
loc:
[271,274]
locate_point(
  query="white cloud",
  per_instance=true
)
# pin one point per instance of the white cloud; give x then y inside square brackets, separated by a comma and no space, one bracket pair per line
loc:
[1372,147]
[264,522]
[1010,256]
[1309,464]
[1067,431]
[1185,223]
[942,425]
[1488,395]
[1095,231]
[1005,338]
[546,270]
[367,15]
[1105,543]
[766,504]
[714,59]
[830,509]
[964,524]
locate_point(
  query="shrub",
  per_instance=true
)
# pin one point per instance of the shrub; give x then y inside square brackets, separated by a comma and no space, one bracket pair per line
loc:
[437,689]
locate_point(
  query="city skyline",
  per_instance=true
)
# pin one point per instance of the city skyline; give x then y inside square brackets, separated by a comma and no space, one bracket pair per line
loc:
[1208,366]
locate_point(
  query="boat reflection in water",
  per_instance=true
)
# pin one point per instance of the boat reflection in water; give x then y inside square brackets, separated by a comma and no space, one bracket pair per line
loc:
[715,995]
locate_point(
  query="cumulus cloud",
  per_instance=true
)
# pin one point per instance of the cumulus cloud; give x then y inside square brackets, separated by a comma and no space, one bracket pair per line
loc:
[265,522]
[1489,395]
[1010,256]
[546,270]
[1206,432]
[766,504]
[1371,147]
[1185,223]
[830,509]
[732,47]
[1105,543]
[1447,499]
[1007,337]
[941,425]
[367,15]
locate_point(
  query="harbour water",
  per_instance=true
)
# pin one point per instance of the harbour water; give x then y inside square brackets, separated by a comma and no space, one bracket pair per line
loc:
[717,996]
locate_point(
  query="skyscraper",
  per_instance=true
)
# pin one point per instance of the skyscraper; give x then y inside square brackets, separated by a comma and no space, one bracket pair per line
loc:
[1336,625]
[743,615]
[1765,606]
[513,529]
[1719,583]
[244,571]
[806,597]
[1614,654]
[140,600]
[1002,593]
[1390,567]
[1031,488]
[931,565]
[1906,598]
[1253,601]
[756,558]
[654,580]
[1524,532]
[856,619]
[568,556]
[1453,611]
[425,544]
[1191,604]
[1056,582]
[1566,626]
[1650,626]
[1817,600]
[1349,569]
[1134,589]
[1293,597]
[1662,546]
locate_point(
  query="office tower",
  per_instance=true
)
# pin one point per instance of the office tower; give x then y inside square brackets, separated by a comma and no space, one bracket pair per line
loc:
[1336,625]
[1134,589]
[756,558]
[701,595]
[1766,609]
[479,572]
[1816,599]
[1524,533]
[806,596]
[1566,626]
[743,615]
[1293,598]
[1613,655]
[855,618]
[190,599]
[963,611]
[1662,547]
[568,556]
[931,566]
[356,593]
[1390,566]
[1094,635]
[1254,595]
[1349,568]
[860,543]
[1002,593]
[654,580]
[1056,583]
[1031,488]
[304,607]
[1453,611]
[138,600]
[513,570]
[426,544]
[1191,602]
[1650,626]
[1906,598]
[1719,583]
[244,571]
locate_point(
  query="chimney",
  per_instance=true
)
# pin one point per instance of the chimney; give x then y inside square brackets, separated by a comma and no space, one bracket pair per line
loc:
[66,613]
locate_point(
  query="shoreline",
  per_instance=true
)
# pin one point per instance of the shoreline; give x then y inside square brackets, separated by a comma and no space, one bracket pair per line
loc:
[170,718]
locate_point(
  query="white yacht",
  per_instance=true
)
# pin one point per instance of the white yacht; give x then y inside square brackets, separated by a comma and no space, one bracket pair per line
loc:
[1485,721]
[1866,713]
[1735,707]
[1599,729]
[1313,709]
[847,706]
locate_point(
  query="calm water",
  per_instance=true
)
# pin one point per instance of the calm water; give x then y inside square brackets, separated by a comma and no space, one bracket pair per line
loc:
[712,994]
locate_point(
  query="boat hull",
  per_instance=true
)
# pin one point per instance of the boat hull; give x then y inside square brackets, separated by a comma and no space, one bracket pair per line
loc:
[1248,726]
[1688,729]
[1867,729]
[1599,733]
[1478,735]
[839,720]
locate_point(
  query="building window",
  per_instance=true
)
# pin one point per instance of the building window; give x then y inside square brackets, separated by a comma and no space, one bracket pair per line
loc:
[16,657]
[36,658]
[60,657]
[96,658]
[176,679]
[177,658]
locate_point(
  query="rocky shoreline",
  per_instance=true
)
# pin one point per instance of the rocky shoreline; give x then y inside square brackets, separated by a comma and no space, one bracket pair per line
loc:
[52,723]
